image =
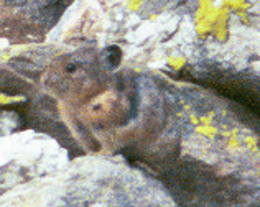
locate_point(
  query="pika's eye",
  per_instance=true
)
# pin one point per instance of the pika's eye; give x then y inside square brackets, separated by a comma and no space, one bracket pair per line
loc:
[71,68]
[96,107]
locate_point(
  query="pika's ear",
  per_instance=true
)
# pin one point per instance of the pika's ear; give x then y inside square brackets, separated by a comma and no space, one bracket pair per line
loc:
[112,55]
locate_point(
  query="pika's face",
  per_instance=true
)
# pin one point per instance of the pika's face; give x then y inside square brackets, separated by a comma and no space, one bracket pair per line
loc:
[77,75]
[82,74]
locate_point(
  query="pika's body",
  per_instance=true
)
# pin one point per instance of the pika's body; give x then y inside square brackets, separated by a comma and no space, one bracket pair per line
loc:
[113,112]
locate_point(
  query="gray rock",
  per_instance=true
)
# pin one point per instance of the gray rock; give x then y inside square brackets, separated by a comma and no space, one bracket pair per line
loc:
[91,181]
[4,43]
[28,20]
[157,31]
[26,155]
[9,122]
[148,41]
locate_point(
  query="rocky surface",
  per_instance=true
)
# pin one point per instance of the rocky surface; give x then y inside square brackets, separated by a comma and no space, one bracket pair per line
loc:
[28,20]
[164,31]
[9,122]
[219,161]
[154,36]
[4,42]
[91,181]
[26,155]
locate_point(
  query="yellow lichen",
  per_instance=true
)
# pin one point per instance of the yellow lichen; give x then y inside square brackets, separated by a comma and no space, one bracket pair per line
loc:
[194,119]
[251,143]
[212,19]
[187,107]
[138,70]
[153,17]
[224,126]
[182,102]
[207,130]
[205,126]
[134,5]
[179,114]
[234,131]
[207,119]
[226,134]
[6,57]
[4,99]
[176,63]
[239,7]
[233,142]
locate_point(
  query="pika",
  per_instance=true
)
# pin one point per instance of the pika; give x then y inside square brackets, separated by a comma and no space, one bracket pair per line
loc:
[110,108]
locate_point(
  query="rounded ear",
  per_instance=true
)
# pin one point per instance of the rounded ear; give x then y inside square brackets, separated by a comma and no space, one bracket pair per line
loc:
[112,55]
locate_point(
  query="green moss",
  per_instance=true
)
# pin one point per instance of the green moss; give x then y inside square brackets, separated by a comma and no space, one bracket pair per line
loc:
[213,19]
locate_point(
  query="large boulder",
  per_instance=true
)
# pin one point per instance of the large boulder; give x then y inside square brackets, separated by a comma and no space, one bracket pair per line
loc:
[91,181]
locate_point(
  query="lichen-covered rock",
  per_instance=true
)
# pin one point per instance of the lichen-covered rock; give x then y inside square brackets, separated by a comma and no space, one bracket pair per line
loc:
[219,149]
[157,33]
[91,181]
[241,86]
[26,155]
[165,29]
[220,153]
[149,34]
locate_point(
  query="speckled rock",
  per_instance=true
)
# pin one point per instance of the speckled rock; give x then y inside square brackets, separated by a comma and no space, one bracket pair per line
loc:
[26,155]
[4,43]
[149,41]
[156,33]
[219,161]
[164,28]
[9,122]
[91,181]
[24,21]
